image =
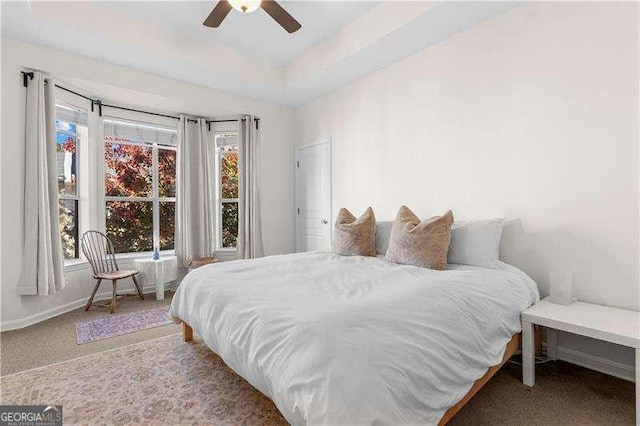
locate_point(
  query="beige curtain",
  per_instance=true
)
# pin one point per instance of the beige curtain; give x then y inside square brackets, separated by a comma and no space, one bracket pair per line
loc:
[195,202]
[42,261]
[249,222]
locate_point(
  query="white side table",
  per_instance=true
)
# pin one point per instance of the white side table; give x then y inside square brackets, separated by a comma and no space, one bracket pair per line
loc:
[613,325]
[157,272]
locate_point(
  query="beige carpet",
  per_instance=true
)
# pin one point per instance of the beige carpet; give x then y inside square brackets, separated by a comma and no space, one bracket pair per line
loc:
[564,394]
[54,340]
[166,381]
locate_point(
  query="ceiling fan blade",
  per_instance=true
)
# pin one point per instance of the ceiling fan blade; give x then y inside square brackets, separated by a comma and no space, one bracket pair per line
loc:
[218,14]
[281,16]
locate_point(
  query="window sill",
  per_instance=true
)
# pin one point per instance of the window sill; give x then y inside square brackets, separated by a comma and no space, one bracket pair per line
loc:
[126,257]
[72,265]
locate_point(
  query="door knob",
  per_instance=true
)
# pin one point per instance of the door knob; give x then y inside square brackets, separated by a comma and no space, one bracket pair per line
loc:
[324,221]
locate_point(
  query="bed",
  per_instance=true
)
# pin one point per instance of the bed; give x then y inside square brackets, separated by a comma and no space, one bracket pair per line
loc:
[356,340]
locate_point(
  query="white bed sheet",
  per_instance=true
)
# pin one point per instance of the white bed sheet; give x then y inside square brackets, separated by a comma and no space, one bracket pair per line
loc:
[353,340]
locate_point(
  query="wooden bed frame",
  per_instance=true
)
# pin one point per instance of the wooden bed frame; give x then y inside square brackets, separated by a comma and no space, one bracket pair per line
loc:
[512,347]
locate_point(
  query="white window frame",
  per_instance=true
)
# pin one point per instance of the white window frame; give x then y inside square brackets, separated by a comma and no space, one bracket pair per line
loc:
[91,171]
[155,198]
[80,140]
[219,199]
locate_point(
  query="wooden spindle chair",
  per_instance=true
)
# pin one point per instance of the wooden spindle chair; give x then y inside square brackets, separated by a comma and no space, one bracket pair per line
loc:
[98,250]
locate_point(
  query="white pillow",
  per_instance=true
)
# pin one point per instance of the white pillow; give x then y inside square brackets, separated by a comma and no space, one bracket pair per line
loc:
[476,242]
[383,233]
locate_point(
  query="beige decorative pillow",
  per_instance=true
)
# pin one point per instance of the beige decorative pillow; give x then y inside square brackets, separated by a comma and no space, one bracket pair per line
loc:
[423,244]
[355,237]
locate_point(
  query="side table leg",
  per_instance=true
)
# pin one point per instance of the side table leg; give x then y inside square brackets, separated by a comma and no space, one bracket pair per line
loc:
[528,361]
[159,280]
[159,290]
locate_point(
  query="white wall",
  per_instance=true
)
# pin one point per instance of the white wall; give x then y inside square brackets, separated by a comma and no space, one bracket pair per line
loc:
[532,116]
[147,91]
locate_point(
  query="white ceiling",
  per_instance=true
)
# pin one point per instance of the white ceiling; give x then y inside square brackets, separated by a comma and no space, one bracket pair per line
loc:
[250,54]
[255,34]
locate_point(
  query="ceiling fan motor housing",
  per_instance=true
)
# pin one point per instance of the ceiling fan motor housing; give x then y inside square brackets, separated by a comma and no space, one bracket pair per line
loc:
[273,9]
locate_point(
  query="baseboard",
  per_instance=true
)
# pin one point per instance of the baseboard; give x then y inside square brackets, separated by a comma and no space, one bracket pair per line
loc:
[603,365]
[58,310]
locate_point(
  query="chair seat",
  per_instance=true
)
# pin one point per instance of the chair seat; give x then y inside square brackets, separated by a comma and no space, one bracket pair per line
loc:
[115,275]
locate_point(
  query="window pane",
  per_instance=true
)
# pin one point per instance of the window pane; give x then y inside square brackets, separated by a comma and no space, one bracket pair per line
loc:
[167,172]
[229,229]
[137,131]
[228,171]
[66,158]
[130,225]
[65,126]
[167,224]
[128,170]
[68,219]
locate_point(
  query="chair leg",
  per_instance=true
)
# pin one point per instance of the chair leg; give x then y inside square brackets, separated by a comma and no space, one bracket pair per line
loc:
[135,281]
[113,301]
[95,290]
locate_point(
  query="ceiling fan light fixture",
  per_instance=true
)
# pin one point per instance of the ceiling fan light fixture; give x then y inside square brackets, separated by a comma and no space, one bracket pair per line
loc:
[271,7]
[245,6]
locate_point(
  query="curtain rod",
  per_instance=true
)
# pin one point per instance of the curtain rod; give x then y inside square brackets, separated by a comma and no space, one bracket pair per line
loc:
[28,75]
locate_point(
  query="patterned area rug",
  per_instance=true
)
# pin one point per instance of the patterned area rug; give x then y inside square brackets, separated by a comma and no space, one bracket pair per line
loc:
[162,381]
[116,325]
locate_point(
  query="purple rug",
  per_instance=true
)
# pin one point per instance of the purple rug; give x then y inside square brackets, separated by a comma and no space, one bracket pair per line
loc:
[117,325]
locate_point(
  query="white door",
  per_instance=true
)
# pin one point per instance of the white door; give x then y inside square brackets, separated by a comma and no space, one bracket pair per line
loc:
[313,196]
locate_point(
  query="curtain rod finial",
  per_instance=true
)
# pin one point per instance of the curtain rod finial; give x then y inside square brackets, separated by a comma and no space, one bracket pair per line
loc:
[26,76]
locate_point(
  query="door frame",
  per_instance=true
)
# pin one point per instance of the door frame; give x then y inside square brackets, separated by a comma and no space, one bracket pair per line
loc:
[298,148]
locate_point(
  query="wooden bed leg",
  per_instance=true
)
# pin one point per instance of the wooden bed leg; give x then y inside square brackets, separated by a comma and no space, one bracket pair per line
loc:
[187,332]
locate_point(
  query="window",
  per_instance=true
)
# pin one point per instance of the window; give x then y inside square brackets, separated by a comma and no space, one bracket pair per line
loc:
[140,172]
[71,133]
[227,189]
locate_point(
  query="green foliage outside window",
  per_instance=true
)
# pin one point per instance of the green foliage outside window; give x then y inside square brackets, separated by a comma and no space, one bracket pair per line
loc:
[228,156]
[129,173]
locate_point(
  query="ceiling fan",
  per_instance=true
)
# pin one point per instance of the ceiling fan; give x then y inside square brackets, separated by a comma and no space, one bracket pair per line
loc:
[277,12]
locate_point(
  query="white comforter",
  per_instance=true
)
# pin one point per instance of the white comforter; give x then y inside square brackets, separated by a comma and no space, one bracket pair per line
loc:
[353,340]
